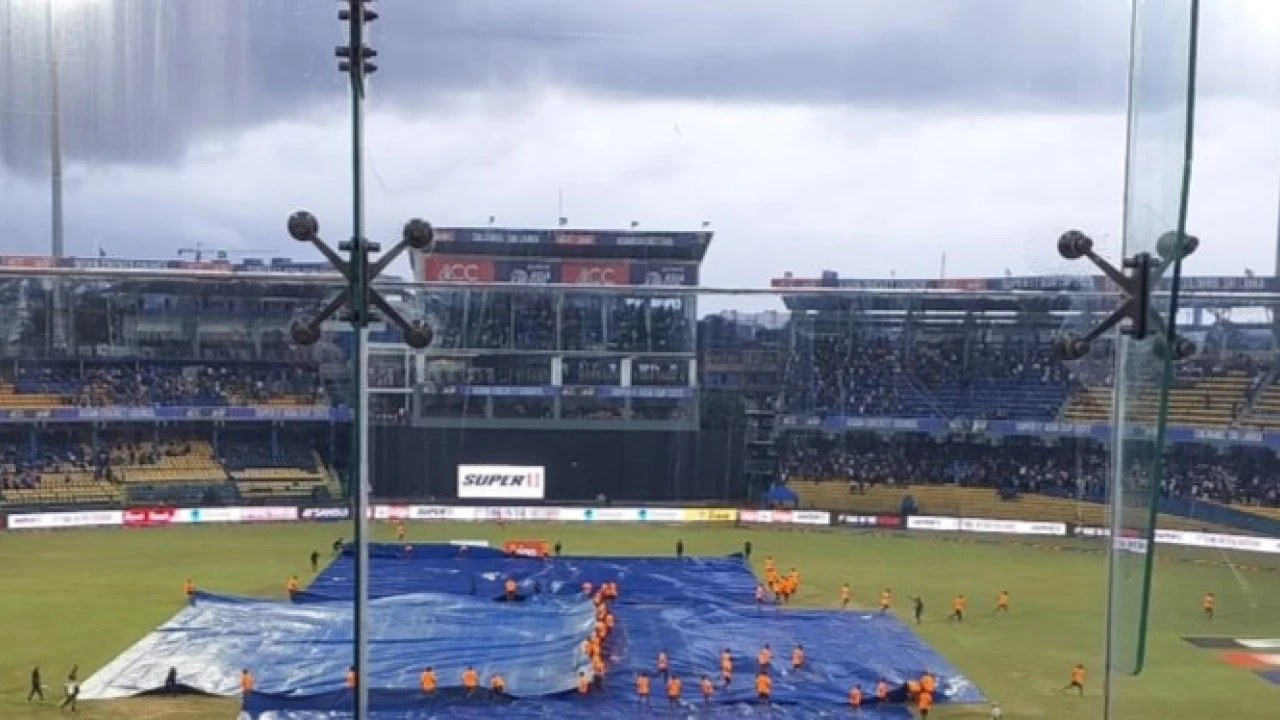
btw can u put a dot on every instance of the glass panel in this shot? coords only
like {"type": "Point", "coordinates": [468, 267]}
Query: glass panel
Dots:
{"type": "Point", "coordinates": [1160, 122]}
{"type": "Point", "coordinates": [150, 153]}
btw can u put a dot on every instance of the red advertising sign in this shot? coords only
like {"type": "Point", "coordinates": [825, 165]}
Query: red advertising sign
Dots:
{"type": "Point", "coordinates": [27, 261]}
{"type": "Point", "coordinates": [527, 548]}
{"type": "Point", "coordinates": [148, 517]}
{"type": "Point", "coordinates": [457, 268]}
{"type": "Point", "coordinates": [595, 272]}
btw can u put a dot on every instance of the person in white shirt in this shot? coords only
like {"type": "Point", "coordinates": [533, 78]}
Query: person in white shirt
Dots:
{"type": "Point", "coordinates": [996, 712]}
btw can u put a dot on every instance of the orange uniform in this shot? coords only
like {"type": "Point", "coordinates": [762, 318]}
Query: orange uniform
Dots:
{"type": "Point", "coordinates": [886, 599]}
{"type": "Point", "coordinates": [428, 681]}
{"type": "Point", "coordinates": [673, 688]}
{"type": "Point", "coordinates": [726, 665]}
{"type": "Point", "coordinates": [470, 679]}
{"type": "Point", "coordinates": [845, 595]}
{"type": "Point", "coordinates": [764, 686]}
{"type": "Point", "coordinates": [584, 686]}
{"type": "Point", "coordinates": [291, 586]}
{"type": "Point", "coordinates": [924, 702]}
{"type": "Point", "coordinates": [246, 682]}
{"type": "Point", "coordinates": [350, 679]}
{"type": "Point", "coordinates": [188, 587]}
{"type": "Point", "coordinates": [400, 531]}
{"type": "Point", "coordinates": [497, 684]}
{"type": "Point", "coordinates": [642, 686]}
{"type": "Point", "coordinates": [797, 658]}
{"type": "Point", "coordinates": [855, 696]}
{"type": "Point", "coordinates": [509, 587]}
{"type": "Point", "coordinates": [1002, 600]}
{"type": "Point", "coordinates": [928, 683]}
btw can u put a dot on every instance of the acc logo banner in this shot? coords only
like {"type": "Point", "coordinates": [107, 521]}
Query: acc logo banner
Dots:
{"type": "Point", "coordinates": [444, 268]}
{"type": "Point", "coordinates": [501, 482]}
{"type": "Point", "coordinates": [595, 273]}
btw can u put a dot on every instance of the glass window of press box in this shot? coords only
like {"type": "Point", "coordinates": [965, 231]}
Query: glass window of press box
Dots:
{"type": "Point", "coordinates": [500, 359]}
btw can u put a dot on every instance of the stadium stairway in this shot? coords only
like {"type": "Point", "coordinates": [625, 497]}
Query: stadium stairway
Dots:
{"type": "Point", "coordinates": [1265, 413]}
{"type": "Point", "coordinates": [1209, 403]}
{"type": "Point", "coordinates": [955, 501]}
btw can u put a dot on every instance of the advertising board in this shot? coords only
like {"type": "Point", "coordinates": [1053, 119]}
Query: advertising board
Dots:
{"type": "Point", "coordinates": [51, 521]}
{"type": "Point", "coordinates": [710, 515]}
{"type": "Point", "coordinates": [148, 516]}
{"type": "Point", "coordinates": [268, 514]}
{"type": "Point", "coordinates": [206, 515]}
{"type": "Point", "coordinates": [501, 482]}
{"type": "Point", "coordinates": [326, 513]}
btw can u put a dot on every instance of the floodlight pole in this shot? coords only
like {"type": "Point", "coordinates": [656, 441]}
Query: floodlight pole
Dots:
{"type": "Point", "coordinates": [364, 305]}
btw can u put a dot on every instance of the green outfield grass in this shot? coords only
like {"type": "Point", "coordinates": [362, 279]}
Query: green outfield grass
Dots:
{"type": "Point", "coordinates": [84, 596]}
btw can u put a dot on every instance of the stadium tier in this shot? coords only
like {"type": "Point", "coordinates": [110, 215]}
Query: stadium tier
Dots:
{"type": "Point", "coordinates": [554, 349]}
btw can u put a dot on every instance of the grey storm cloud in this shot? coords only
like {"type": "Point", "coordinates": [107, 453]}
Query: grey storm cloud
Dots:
{"type": "Point", "coordinates": [142, 79]}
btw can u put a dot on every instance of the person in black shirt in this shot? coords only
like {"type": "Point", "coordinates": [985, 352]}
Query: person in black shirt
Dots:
{"type": "Point", "coordinates": [315, 561]}
{"type": "Point", "coordinates": [679, 548]}
{"type": "Point", "coordinates": [37, 688]}
{"type": "Point", "coordinates": [746, 549]}
{"type": "Point", "coordinates": [337, 546]}
{"type": "Point", "coordinates": [557, 548]}
{"type": "Point", "coordinates": [171, 682]}
{"type": "Point", "coordinates": [919, 609]}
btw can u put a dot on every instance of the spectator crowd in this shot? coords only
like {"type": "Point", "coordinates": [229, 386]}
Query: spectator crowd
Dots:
{"type": "Point", "coordinates": [1074, 468]}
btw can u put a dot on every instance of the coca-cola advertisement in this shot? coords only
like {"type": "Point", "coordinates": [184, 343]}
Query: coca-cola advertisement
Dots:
{"type": "Point", "coordinates": [457, 268]}
{"type": "Point", "coordinates": [595, 272]}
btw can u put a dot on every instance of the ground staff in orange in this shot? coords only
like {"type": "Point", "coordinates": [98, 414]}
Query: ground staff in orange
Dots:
{"type": "Point", "coordinates": [673, 690]}
{"type": "Point", "coordinates": [924, 703]}
{"type": "Point", "coordinates": [642, 689]}
{"type": "Point", "coordinates": [855, 696]}
{"type": "Point", "coordinates": [428, 681]}
{"type": "Point", "coordinates": [764, 688]}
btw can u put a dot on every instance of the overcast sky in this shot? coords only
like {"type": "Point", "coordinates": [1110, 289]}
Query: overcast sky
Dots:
{"type": "Point", "coordinates": [867, 137]}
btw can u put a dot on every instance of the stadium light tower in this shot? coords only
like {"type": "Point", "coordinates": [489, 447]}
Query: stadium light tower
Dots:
{"type": "Point", "coordinates": [360, 300]}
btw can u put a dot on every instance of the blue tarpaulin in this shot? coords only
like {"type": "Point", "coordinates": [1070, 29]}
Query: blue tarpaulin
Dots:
{"type": "Point", "coordinates": [427, 614]}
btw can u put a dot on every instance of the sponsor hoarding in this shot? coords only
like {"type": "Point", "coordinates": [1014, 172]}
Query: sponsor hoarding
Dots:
{"type": "Point", "coordinates": [438, 512]}
{"type": "Point", "coordinates": [389, 512]}
{"type": "Point", "coordinates": [859, 520]}
{"type": "Point", "coordinates": [326, 513]}
{"type": "Point", "coordinates": [785, 517]}
{"type": "Point", "coordinates": [501, 482]}
{"type": "Point", "coordinates": [930, 522]}
{"type": "Point", "coordinates": [207, 515]}
{"type": "Point", "coordinates": [663, 273]}
{"type": "Point", "coordinates": [526, 272]}
{"type": "Point", "coordinates": [447, 268]}
{"type": "Point", "coordinates": [148, 516]}
{"type": "Point", "coordinates": [49, 521]}
{"type": "Point", "coordinates": [712, 515]}
{"type": "Point", "coordinates": [595, 272]}
{"type": "Point", "coordinates": [1012, 527]}
{"type": "Point", "coordinates": [268, 514]}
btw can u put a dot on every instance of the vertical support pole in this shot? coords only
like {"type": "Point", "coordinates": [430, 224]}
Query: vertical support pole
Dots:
{"type": "Point", "coordinates": [360, 322]}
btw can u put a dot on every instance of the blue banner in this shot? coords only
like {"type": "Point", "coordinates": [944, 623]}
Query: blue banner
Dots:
{"type": "Point", "coordinates": [168, 412]}
{"type": "Point", "coordinates": [550, 391]}
{"type": "Point", "coordinates": [1032, 428]}
{"type": "Point", "coordinates": [599, 238]}
{"type": "Point", "coordinates": [1036, 283]}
